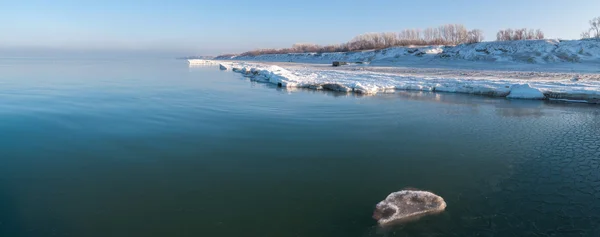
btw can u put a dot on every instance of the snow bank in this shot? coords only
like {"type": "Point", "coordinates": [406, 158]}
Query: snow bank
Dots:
{"type": "Point", "coordinates": [366, 82]}
{"type": "Point", "coordinates": [528, 51]}
{"type": "Point", "coordinates": [522, 51]}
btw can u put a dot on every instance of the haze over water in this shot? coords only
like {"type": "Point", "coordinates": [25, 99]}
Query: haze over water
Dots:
{"type": "Point", "coordinates": [121, 147]}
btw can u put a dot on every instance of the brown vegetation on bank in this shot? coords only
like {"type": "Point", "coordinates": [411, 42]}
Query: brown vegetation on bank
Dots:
{"type": "Point", "coordinates": [519, 34]}
{"type": "Point", "coordinates": [451, 34]}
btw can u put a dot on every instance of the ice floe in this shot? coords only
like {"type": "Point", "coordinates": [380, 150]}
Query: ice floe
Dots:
{"type": "Point", "coordinates": [407, 205]}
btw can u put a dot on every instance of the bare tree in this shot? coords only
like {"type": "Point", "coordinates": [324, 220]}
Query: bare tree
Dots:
{"type": "Point", "coordinates": [428, 34]}
{"type": "Point", "coordinates": [595, 27]}
{"type": "Point", "coordinates": [500, 35]}
{"type": "Point", "coordinates": [389, 38]}
{"type": "Point", "coordinates": [519, 34]}
{"type": "Point", "coordinates": [462, 34]}
{"type": "Point", "coordinates": [539, 34]}
{"type": "Point", "coordinates": [304, 47]}
{"type": "Point", "coordinates": [510, 34]}
{"type": "Point", "coordinates": [475, 36]}
{"type": "Point", "coordinates": [585, 35]}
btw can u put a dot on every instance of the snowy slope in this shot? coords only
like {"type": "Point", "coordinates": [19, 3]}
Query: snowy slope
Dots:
{"type": "Point", "coordinates": [368, 82]}
{"type": "Point", "coordinates": [528, 51]}
{"type": "Point", "coordinates": [524, 51]}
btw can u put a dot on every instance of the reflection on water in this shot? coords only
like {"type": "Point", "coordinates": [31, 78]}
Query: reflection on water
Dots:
{"type": "Point", "coordinates": [153, 148]}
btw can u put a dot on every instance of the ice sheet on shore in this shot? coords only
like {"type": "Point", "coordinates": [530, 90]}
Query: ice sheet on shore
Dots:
{"type": "Point", "coordinates": [366, 82]}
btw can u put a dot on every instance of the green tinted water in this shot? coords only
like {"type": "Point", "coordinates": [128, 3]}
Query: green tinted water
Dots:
{"type": "Point", "coordinates": [153, 148]}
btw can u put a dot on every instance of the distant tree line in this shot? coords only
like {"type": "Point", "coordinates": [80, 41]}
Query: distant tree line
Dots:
{"type": "Point", "coordinates": [450, 34]}
{"type": "Point", "coordinates": [519, 34]}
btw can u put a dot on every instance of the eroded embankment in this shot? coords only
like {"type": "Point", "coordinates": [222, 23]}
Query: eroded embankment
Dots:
{"type": "Point", "coordinates": [548, 51]}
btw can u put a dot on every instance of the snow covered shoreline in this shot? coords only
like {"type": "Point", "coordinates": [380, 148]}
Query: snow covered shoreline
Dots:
{"type": "Point", "coordinates": [528, 69]}
{"type": "Point", "coordinates": [368, 82]}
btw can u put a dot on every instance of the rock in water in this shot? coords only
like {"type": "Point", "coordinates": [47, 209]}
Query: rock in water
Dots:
{"type": "Point", "coordinates": [336, 87]}
{"type": "Point", "coordinates": [338, 63]}
{"type": "Point", "coordinates": [407, 205]}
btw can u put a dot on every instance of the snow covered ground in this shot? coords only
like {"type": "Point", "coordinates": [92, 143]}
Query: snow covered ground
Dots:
{"type": "Point", "coordinates": [532, 69]}
{"type": "Point", "coordinates": [546, 55]}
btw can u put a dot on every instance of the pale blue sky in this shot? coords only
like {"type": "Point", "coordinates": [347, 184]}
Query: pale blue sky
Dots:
{"type": "Point", "coordinates": [182, 27]}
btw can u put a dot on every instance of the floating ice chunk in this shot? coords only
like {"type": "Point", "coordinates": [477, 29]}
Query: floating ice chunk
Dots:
{"type": "Point", "coordinates": [407, 205]}
{"type": "Point", "coordinates": [365, 88]}
{"type": "Point", "coordinates": [524, 91]}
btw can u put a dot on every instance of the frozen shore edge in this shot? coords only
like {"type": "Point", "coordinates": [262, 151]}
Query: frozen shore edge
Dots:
{"type": "Point", "coordinates": [371, 83]}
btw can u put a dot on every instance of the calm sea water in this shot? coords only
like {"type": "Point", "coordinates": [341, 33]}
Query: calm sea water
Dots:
{"type": "Point", "coordinates": [153, 148]}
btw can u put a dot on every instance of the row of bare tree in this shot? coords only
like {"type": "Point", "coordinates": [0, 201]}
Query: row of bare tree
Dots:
{"type": "Point", "coordinates": [450, 34]}
{"type": "Point", "coordinates": [519, 34]}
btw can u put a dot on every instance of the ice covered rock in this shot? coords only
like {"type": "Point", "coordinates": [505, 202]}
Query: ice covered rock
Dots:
{"type": "Point", "coordinates": [223, 67]}
{"type": "Point", "coordinates": [406, 205]}
{"type": "Point", "coordinates": [336, 87]}
{"type": "Point", "coordinates": [524, 91]}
